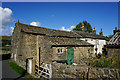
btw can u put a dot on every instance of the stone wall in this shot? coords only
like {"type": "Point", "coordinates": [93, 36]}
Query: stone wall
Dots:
{"type": "Point", "coordinates": [80, 53]}
{"type": "Point", "coordinates": [16, 42]}
{"type": "Point", "coordinates": [113, 52]}
{"type": "Point", "coordinates": [59, 56]}
{"type": "Point", "coordinates": [45, 50]}
{"type": "Point", "coordinates": [28, 48]}
{"type": "Point", "coordinates": [65, 71]}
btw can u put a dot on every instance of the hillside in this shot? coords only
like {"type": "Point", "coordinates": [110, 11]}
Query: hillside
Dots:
{"type": "Point", "coordinates": [5, 42]}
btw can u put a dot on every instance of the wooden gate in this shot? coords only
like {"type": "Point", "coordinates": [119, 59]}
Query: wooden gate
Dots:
{"type": "Point", "coordinates": [44, 70]}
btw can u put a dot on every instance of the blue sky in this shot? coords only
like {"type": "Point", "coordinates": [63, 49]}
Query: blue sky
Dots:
{"type": "Point", "coordinates": [56, 15]}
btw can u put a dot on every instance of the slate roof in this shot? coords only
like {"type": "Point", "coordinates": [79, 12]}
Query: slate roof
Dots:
{"type": "Point", "coordinates": [65, 41]}
{"type": "Point", "coordinates": [46, 31]}
{"type": "Point", "coordinates": [59, 33]}
{"type": "Point", "coordinates": [89, 35]}
{"type": "Point", "coordinates": [115, 40]}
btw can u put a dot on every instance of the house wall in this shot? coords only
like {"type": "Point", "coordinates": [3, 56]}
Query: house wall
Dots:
{"type": "Point", "coordinates": [59, 56]}
{"type": "Point", "coordinates": [45, 50]}
{"type": "Point", "coordinates": [28, 48]}
{"type": "Point", "coordinates": [114, 53]}
{"type": "Point", "coordinates": [16, 43]}
{"type": "Point", "coordinates": [79, 53]}
{"type": "Point", "coordinates": [99, 43]}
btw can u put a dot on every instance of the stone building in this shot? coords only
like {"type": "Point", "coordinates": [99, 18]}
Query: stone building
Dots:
{"type": "Point", "coordinates": [39, 44]}
{"type": "Point", "coordinates": [97, 40]}
{"type": "Point", "coordinates": [32, 45]}
{"type": "Point", "coordinates": [113, 46]}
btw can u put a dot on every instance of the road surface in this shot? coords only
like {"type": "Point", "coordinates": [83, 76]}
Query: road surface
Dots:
{"type": "Point", "coordinates": [7, 72]}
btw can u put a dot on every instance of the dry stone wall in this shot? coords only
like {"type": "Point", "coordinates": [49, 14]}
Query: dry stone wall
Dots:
{"type": "Point", "coordinates": [65, 71]}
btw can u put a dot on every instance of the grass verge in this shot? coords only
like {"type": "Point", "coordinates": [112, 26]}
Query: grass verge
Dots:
{"type": "Point", "coordinates": [19, 70]}
{"type": "Point", "coordinates": [4, 52]}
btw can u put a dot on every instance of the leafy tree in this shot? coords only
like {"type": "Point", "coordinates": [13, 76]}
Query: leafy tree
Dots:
{"type": "Point", "coordinates": [87, 27]}
{"type": "Point", "coordinates": [110, 36]}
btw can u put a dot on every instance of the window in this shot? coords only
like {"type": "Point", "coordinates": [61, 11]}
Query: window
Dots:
{"type": "Point", "coordinates": [59, 50]}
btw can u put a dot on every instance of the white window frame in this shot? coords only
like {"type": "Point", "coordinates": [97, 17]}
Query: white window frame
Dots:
{"type": "Point", "coordinates": [60, 51]}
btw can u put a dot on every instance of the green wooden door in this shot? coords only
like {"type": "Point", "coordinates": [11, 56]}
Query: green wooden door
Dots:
{"type": "Point", "coordinates": [70, 56]}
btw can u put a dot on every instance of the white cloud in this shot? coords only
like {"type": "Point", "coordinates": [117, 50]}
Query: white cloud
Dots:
{"type": "Point", "coordinates": [68, 29]}
{"type": "Point", "coordinates": [11, 29]}
{"type": "Point", "coordinates": [35, 23]}
{"type": "Point", "coordinates": [5, 19]}
{"type": "Point", "coordinates": [63, 28]}
{"type": "Point", "coordinates": [72, 27]}
{"type": "Point", "coordinates": [6, 16]}
{"type": "Point", "coordinates": [5, 31]}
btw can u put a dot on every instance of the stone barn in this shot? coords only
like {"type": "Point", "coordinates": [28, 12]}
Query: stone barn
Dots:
{"type": "Point", "coordinates": [36, 48]}
{"type": "Point", "coordinates": [35, 45]}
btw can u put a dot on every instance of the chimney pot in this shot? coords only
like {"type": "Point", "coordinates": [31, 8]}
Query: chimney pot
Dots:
{"type": "Point", "coordinates": [101, 32]}
{"type": "Point", "coordinates": [94, 31]}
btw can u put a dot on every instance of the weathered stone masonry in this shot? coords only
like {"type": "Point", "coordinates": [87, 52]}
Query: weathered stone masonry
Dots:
{"type": "Point", "coordinates": [65, 71]}
{"type": "Point", "coordinates": [40, 45]}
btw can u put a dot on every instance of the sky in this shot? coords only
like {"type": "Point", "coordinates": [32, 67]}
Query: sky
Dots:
{"type": "Point", "coordinates": [60, 15]}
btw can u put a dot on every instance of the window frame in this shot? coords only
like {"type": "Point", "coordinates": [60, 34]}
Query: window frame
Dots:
{"type": "Point", "coordinates": [59, 51]}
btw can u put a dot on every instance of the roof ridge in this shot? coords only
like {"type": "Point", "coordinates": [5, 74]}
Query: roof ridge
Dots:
{"type": "Point", "coordinates": [43, 27]}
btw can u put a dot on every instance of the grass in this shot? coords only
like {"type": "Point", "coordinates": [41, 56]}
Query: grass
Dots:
{"type": "Point", "coordinates": [4, 52]}
{"type": "Point", "coordinates": [19, 70]}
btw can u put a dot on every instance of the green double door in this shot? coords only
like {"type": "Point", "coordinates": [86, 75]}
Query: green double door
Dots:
{"type": "Point", "coordinates": [70, 56]}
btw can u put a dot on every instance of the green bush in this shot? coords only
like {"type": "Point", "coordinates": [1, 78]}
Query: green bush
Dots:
{"type": "Point", "coordinates": [103, 62]}
{"type": "Point", "coordinates": [106, 63]}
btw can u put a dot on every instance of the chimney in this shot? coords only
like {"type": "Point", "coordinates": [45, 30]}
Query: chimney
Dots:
{"type": "Point", "coordinates": [82, 28]}
{"type": "Point", "coordinates": [101, 33]}
{"type": "Point", "coordinates": [94, 31]}
{"type": "Point", "coordinates": [114, 31]}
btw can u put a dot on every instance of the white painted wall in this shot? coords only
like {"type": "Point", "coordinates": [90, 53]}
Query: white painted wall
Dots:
{"type": "Point", "coordinates": [99, 43]}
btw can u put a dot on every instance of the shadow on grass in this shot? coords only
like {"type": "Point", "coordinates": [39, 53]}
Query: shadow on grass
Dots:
{"type": "Point", "coordinates": [23, 75]}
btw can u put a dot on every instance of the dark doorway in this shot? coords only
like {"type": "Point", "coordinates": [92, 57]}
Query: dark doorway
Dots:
{"type": "Point", "coordinates": [39, 54]}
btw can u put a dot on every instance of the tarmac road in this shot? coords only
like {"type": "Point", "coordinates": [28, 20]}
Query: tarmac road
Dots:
{"type": "Point", "coordinates": [7, 72]}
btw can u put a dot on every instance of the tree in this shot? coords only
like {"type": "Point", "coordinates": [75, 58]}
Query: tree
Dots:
{"type": "Point", "coordinates": [110, 36]}
{"type": "Point", "coordinates": [87, 27]}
